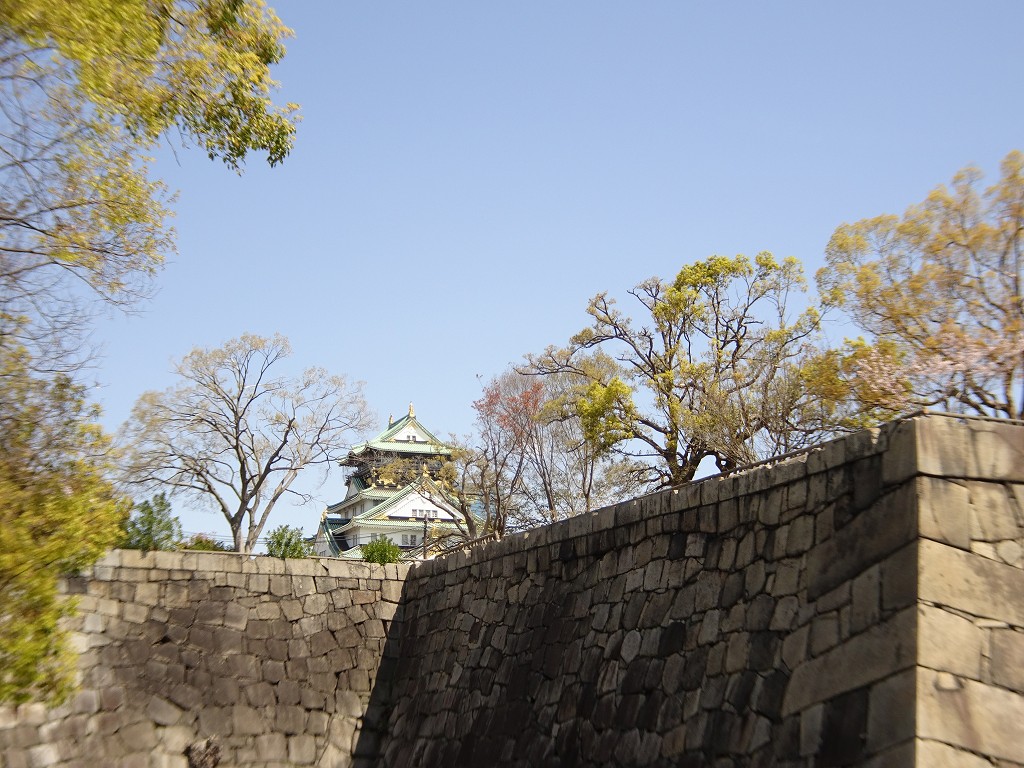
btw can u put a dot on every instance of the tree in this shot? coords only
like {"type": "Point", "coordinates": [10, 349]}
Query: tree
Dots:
{"type": "Point", "coordinates": [234, 435]}
{"type": "Point", "coordinates": [151, 526]}
{"type": "Point", "coordinates": [87, 89]}
{"type": "Point", "coordinates": [939, 294]}
{"type": "Point", "coordinates": [722, 369]}
{"type": "Point", "coordinates": [572, 470]}
{"type": "Point", "coordinates": [381, 551]}
{"type": "Point", "coordinates": [529, 461]}
{"type": "Point", "coordinates": [488, 470]}
{"type": "Point", "coordinates": [59, 513]}
{"type": "Point", "coordinates": [286, 541]}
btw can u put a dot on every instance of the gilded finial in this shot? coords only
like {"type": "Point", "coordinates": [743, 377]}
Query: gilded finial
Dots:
{"type": "Point", "coordinates": [412, 413]}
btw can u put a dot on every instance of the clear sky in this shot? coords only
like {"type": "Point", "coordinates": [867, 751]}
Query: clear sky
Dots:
{"type": "Point", "coordinates": [468, 174]}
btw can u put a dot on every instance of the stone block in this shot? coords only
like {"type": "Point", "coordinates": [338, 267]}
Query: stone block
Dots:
{"type": "Point", "coordinates": [992, 517]}
{"type": "Point", "coordinates": [824, 633]}
{"type": "Point", "coordinates": [236, 616]}
{"type": "Point", "coordinates": [1007, 658]}
{"type": "Point", "coordinates": [43, 756]}
{"type": "Point", "coordinates": [141, 735]}
{"type": "Point", "coordinates": [272, 747]}
{"type": "Point", "coordinates": [247, 721]}
{"type": "Point", "coordinates": [899, 579]}
{"type": "Point", "coordinates": [933, 754]}
{"type": "Point", "coordinates": [899, 756]}
{"type": "Point", "coordinates": [888, 525]}
{"type": "Point", "coordinates": [866, 602]}
{"type": "Point", "coordinates": [135, 614]}
{"type": "Point", "coordinates": [971, 449]}
{"type": "Point", "coordinates": [970, 583]}
{"type": "Point", "coordinates": [944, 511]}
{"type": "Point", "coordinates": [163, 712]}
{"type": "Point", "coordinates": [843, 730]}
{"type": "Point", "coordinates": [1011, 553]}
{"type": "Point", "coordinates": [864, 659]}
{"type": "Point", "coordinates": [973, 716]}
{"type": "Point", "coordinates": [147, 593]}
{"type": "Point", "coordinates": [891, 711]}
{"type": "Point", "coordinates": [949, 643]}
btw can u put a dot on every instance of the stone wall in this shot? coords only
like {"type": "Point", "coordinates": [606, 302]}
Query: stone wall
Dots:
{"type": "Point", "coordinates": [273, 659]}
{"type": "Point", "coordinates": [861, 604]}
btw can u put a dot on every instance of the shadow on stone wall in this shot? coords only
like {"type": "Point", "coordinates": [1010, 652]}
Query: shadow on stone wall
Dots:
{"type": "Point", "coordinates": [764, 619]}
{"type": "Point", "coordinates": [861, 604]}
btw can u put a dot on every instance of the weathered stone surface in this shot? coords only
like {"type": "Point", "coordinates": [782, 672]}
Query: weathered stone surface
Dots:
{"type": "Point", "coordinates": [974, 449]}
{"type": "Point", "coordinates": [980, 718]}
{"type": "Point", "coordinates": [868, 657]}
{"type": "Point", "coordinates": [934, 754]}
{"type": "Point", "coordinates": [892, 711]}
{"type": "Point", "coordinates": [783, 616]}
{"type": "Point", "coordinates": [970, 583]}
{"type": "Point", "coordinates": [950, 643]}
{"type": "Point", "coordinates": [872, 535]}
{"type": "Point", "coordinates": [944, 511]}
{"type": "Point", "coordinates": [1007, 658]}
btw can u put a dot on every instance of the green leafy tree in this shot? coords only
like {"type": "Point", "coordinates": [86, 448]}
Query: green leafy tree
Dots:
{"type": "Point", "coordinates": [286, 541]}
{"type": "Point", "coordinates": [721, 368]}
{"type": "Point", "coordinates": [151, 526]}
{"type": "Point", "coordinates": [381, 551]}
{"type": "Point", "coordinates": [87, 89]}
{"type": "Point", "coordinates": [938, 293]}
{"type": "Point", "coordinates": [58, 514]}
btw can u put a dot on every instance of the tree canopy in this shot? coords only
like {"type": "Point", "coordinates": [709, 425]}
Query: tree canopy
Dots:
{"type": "Point", "coordinates": [721, 368]}
{"type": "Point", "coordinates": [528, 461]}
{"type": "Point", "coordinates": [235, 434]}
{"type": "Point", "coordinates": [381, 551]}
{"type": "Point", "coordinates": [938, 291]}
{"type": "Point", "coordinates": [87, 88]}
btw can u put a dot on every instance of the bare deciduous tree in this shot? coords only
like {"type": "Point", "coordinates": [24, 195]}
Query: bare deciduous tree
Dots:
{"type": "Point", "coordinates": [233, 434]}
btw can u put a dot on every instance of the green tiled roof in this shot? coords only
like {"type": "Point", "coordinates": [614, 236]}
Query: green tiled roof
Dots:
{"type": "Point", "coordinates": [384, 441]}
{"type": "Point", "coordinates": [402, 446]}
{"type": "Point", "coordinates": [413, 525]}
{"type": "Point", "coordinates": [374, 493]}
{"type": "Point", "coordinates": [423, 485]}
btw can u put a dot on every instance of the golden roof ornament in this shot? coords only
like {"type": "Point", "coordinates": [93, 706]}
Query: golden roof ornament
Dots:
{"type": "Point", "coordinates": [412, 413]}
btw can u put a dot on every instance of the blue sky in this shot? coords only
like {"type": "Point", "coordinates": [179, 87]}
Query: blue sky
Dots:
{"type": "Point", "coordinates": [467, 175]}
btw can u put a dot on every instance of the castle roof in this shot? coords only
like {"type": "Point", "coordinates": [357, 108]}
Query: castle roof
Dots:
{"type": "Point", "coordinates": [407, 435]}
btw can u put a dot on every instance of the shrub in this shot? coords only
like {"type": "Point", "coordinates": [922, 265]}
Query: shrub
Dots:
{"type": "Point", "coordinates": [382, 552]}
{"type": "Point", "coordinates": [205, 543]}
{"type": "Point", "coordinates": [285, 541]}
